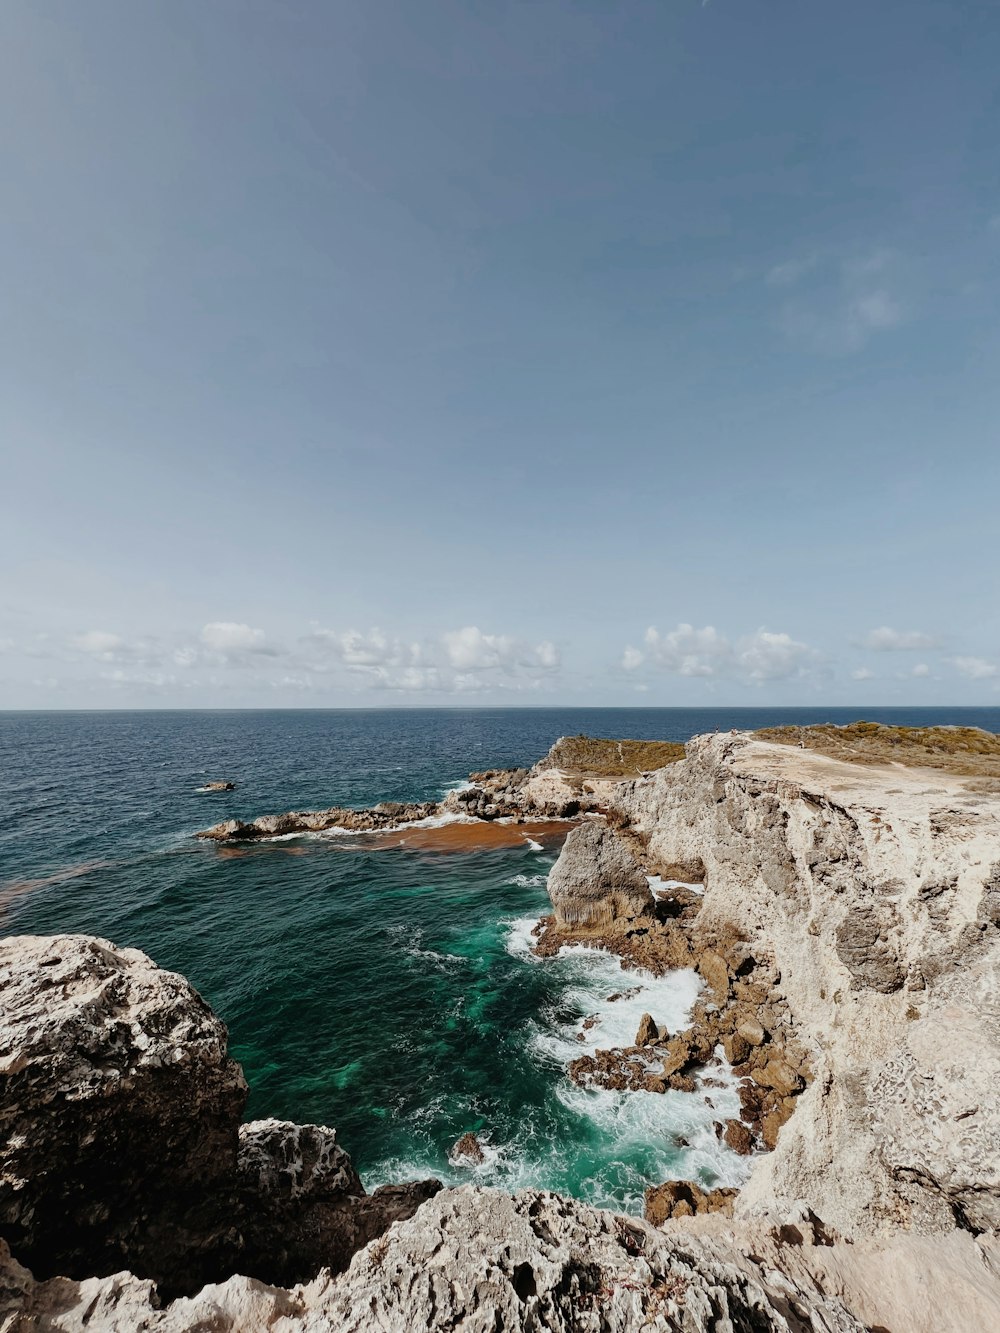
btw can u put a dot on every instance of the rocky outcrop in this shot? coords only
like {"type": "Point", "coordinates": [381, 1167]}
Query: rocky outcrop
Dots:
{"type": "Point", "coordinates": [119, 1113]}
{"type": "Point", "coordinates": [867, 893]}
{"type": "Point", "coordinates": [388, 814]}
{"type": "Point", "coordinates": [120, 1136]}
{"type": "Point", "coordinates": [218, 786]}
{"type": "Point", "coordinates": [597, 880]}
{"type": "Point", "coordinates": [467, 1151]}
{"type": "Point", "coordinates": [686, 1198]}
{"type": "Point", "coordinates": [480, 1261]}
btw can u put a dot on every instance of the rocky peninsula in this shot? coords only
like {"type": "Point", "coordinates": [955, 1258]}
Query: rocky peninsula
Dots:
{"type": "Point", "coordinates": [837, 890]}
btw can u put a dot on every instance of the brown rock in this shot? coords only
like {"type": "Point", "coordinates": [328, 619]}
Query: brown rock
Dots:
{"type": "Point", "coordinates": [648, 1032]}
{"type": "Point", "coordinates": [713, 968]}
{"type": "Point", "coordinates": [736, 1048]}
{"type": "Point", "coordinates": [685, 1198]}
{"type": "Point", "coordinates": [778, 1075]}
{"type": "Point", "coordinates": [752, 1032]}
{"type": "Point", "coordinates": [467, 1151]}
{"type": "Point", "coordinates": [738, 1137]}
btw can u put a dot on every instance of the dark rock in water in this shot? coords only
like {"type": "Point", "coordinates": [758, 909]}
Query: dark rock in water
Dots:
{"type": "Point", "coordinates": [597, 880]}
{"type": "Point", "coordinates": [386, 815]}
{"type": "Point", "coordinates": [219, 786]}
{"type": "Point", "coordinates": [468, 1151]}
{"type": "Point", "coordinates": [120, 1136]}
{"type": "Point", "coordinates": [648, 1031]}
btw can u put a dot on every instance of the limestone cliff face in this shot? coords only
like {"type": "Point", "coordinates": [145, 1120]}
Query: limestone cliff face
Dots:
{"type": "Point", "coordinates": [876, 892]}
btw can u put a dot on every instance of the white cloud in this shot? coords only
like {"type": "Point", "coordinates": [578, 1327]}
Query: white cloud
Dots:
{"type": "Point", "coordinates": [687, 651]}
{"type": "Point", "coordinates": [469, 649]}
{"type": "Point", "coordinates": [976, 668]}
{"type": "Point", "coordinates": [233, 640]}
{"type": "Point", "coordinates": [886, 640]}
{"type": "Point", "coordinates": [863, 673]}
{"type": "Point", "coordinates": [766, 656]}
{"type": "Point", "coordinates": [98, 643]}
{"type": "Point", "coordinates": [921, 669]}
{"type": "Point", "coordinates": [460, 660]}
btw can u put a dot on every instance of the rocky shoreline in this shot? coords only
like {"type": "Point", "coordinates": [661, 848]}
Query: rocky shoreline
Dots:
{"type": "Point", "coordinates": [848, 939]}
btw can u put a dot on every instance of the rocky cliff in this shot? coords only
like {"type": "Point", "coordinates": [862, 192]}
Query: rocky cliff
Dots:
{"type": "Point", "coordinates": [120, 1137]}
{"type": "Point", "coordinates": [848, 938]}
{"type": "Point", "coordinates": [874, 891]}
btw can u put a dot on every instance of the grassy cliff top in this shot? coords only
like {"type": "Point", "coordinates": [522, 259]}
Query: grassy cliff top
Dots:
{"type": "Point", "coordinates": [589, 756]}
{"type": "Point", "coordinates": [955, 749]}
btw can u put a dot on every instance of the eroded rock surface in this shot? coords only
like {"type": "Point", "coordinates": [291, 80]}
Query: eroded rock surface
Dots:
{"type": "Point", "coordinates": [597, 880]}
{"type": "Point", "coordinates": [120, 1137]}
{"type": "Point", "coordinates": [868, 891]}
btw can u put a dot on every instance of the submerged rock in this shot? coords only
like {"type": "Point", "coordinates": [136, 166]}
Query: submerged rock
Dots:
{"type": "Point", "coordinates": [467, 1151]}
{"type": "Point", "coordinates": [597, 880]}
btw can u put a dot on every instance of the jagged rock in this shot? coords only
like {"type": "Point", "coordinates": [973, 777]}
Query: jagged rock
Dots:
{"type": "Point", "coordinates": [388, 814]}
{"type": "Point", "coordinates": [751, 1032]}
{"type": "Point", "coordinates": [597, 880]}
{"type": "Point", "coordinates": [685, 1198]}
{"type": "Point", "coordinates": [738, 1137]}
{"type": "Point", "coordinates": [119, 1108]}
{"type": "Point", "coordinates": [467, 1151]}
{"type": "Point", "coordinates": [120, 1141]}
{"type": "Point", "coordinates": [736, 1047]}
{"type": "Point", "coordinates": [780, 1076]}
{"type": "Point", "coordinates": [713, 968]}
{"type": "Point", "coordinates": [648, 1032]}
{"type": "Point", "coordinates": [219, 786]}
{"type": "Point", "coordinates": [481, 1261]}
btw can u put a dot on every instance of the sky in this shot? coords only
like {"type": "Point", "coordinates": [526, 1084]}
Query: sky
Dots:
{"type": "Point", "coordinates": [477, 352]}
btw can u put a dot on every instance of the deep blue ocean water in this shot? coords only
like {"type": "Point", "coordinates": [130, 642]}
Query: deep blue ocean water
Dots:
{"type": "Point", "coordinates": [388, 993]}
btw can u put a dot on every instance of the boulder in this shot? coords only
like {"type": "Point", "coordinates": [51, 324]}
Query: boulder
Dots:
{"type": "Point", "coordinates": [685, 1198]}
{"type": "Point", "coordinates": [597, 880]}
{"type": "Point", "coordinates": [738, 1137]}
{"type": "Point", "coordinates": [714, 969]}
{"type": "Point", "coordinates": [219, 786]}
{"type": "Point", "coordinates": [648, 1032]}
{"type": "Point", "coordinates": [752, 1032]}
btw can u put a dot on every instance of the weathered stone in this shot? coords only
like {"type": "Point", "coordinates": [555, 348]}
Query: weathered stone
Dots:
{"type": "Point", "coordinates": [738, 1137]}
{"type": "Point", "coordinates": [736, 1047]}
{"type": "Point", "coordinates": [712, 967]}
{"type": "Point", "coordinates": [780, 1076]}
{"type": "Point", "coordinates": [752, 1032]}
{"type": "Point", "coordinates": [648, 1032]}
{"type": "Point", "coordinates": [467, 1151]}
{"type": "Point", "coordinates": [684, 1198]}
{"type": "Point", "coordinates": [596, 879]}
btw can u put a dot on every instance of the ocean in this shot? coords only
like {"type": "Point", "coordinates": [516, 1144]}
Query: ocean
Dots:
{"type": "Point", "coordinates": [389, 993]}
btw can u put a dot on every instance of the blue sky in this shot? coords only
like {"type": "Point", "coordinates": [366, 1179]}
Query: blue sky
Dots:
{"type": "Point", "coordinates": [380, 352]}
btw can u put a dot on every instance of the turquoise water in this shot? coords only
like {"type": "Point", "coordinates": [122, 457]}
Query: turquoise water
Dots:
{"type": "Point", "coordinates": [389, 993]}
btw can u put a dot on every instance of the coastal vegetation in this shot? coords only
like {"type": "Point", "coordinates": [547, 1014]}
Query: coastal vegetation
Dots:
{"type": "Point", "coordinates": [965, 750]}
